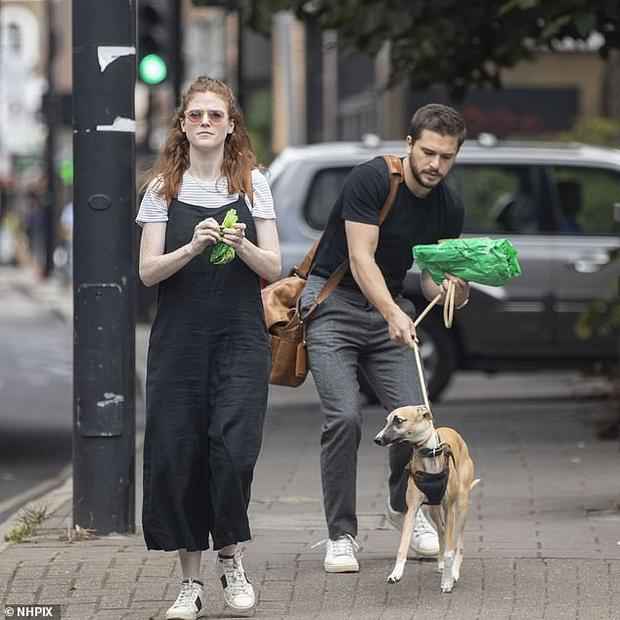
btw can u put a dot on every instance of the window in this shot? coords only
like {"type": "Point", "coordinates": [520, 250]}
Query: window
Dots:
{"type": "Point", "coordinates": [585, 199]}
{"type": "Point", "coordinates": [324, 190]}
{"type": "Point", "coordinates": [499, 198]}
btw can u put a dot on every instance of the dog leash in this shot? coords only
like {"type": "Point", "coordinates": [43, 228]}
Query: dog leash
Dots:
{"type": "Point", "coordinates": [448, 316]}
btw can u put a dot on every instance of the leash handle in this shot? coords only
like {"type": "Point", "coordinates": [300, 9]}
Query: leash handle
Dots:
{"type": "Point", "coordinates": [448, 308]}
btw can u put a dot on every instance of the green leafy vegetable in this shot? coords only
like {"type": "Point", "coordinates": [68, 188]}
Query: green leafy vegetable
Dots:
{"type": "Point", "coordinates": [222, 253]}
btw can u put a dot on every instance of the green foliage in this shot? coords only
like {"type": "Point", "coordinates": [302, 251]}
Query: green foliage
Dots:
{"type": "Point", "coordinates": [451, 42]}
{"type": "Point", "coordinates": [27, 522]}
{"type": "Point", "coordinates": [258, 119]}
{"type": "Point", "coordinates": [594, 130]}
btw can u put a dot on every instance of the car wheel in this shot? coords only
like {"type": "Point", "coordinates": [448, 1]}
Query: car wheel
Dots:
{"type": "Point", "coordinates": [438, 353]}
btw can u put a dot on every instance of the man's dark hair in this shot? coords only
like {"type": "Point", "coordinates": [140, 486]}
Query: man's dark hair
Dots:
{"type": "Point", "coordinates": [441, 119]}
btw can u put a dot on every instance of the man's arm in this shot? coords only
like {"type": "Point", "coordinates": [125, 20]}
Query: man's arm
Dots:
{"type": "Point", "coordinates": [362, 242]}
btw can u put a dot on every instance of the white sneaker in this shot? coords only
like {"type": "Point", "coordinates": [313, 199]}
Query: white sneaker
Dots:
{"type": "Point", "coordinates": [340, 555]}
{"type": "Point", "coordinates": [424, 539]}
{"type": "Point", "coordinates": [190, 603]}
{"type": "Point", "coordinates": [238, 591]}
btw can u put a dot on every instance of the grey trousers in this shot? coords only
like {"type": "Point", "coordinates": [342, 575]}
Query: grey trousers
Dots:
{"type": "Point", "coordinates": [346, 334]}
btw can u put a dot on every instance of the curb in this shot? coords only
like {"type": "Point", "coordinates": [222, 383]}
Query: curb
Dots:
{"type": "Point", "coordinates": [57, 492]}
{"type": "Point", "coordinates": [53, 493]}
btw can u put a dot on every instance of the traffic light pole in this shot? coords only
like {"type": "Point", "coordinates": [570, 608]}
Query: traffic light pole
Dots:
{"type": "Point", "coordinates": [51, 120]}
{"type": "Point", "coordinates": [177, 64]}
{"type": "Point", "coordinates": [104, 73]}
{"type": "Point", "coordinates": [240, 65]}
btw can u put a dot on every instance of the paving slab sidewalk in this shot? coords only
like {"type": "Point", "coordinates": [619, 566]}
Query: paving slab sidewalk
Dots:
{"type": "Point", "coordinates": [542, 540]}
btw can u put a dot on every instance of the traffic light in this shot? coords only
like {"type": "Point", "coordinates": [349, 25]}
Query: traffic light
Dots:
{"type": "Point", "coordinates": [154, 41]}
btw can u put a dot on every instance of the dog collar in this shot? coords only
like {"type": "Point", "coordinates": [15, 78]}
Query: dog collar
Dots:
{"type": "Point", "coordinates": [432, 452]}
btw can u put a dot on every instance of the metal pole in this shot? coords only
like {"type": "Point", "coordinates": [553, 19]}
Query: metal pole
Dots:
{"type": "Point", "coordinates": [314, 79]}
{"type": "Point", "coordinates": [177, 63]}
{"type": "Point", "coordinates": [51, 114]}
{"type": "Point", "coordinates": [240, 68]}
{"type": "Point", "coordinates": [104, 74]}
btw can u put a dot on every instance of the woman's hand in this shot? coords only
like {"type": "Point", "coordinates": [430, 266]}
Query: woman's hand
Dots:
{"type": "Point", "coordinates": [234, 236]}
{"type": "Point", "coordinates": [206, 232]}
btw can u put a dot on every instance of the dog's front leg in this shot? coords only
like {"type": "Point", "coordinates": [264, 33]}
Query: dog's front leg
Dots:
{"type": "Point", "coordinates": [449, 550]}
{"type": "Point", "coordinates": [438, 520]}
{"type": "Point", "coordinates": [414, 500]}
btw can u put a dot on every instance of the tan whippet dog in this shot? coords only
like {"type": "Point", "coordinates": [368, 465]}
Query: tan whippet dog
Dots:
{"type": "Point", "coordinates": [441, 465]}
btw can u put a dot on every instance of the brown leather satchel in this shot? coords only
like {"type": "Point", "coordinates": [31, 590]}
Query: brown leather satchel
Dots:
{"type": "Point", "coordinates": [289, 359]}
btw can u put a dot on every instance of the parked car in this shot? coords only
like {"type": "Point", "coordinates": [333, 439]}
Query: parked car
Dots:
{"type": "Point", "coordinates": [555, 202]}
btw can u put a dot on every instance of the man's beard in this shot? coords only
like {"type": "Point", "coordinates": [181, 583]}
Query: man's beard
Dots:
{"type": "Point", "coordinates": [418, 177]}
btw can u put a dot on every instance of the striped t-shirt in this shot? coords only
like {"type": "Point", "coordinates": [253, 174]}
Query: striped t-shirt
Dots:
{"type": "Point", "coordinates": [208, 194]}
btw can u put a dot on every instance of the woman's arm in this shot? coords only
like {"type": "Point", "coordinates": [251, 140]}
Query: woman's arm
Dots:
{"type": "Point", "coordinates": [264, 257]}
{"type": "Point", "coordinates": [156, 266]}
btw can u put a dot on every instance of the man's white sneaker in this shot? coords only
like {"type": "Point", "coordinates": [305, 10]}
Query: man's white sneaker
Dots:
{"type": "Point", "coordinates": [238, 591]}
{"type": "Point", "coordinates": [424, 540]}
{"type": "Point", "coordinates": [340, 555]}
{"type": "Point", "coordinates": [190, 603]}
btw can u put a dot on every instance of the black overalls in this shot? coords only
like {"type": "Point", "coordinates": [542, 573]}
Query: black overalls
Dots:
{"type": "Point", "coordinates": [206, 394]}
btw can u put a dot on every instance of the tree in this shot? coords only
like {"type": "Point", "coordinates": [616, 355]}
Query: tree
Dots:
{"type": "Point", "coordinates": [451, 42]}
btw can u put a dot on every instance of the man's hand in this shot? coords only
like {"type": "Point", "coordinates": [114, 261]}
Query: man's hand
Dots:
{"type": "Point", "coordinates": [401, 328]}
{"type": "Point", "coordinates": [461, 293]}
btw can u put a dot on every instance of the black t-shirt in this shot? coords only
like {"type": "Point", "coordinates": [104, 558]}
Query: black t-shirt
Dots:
{"type": "Point", "coordinates": [411, 221]}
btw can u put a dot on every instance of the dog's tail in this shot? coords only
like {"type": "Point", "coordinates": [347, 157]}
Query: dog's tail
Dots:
{"type": "Point", "coordinates": [474, 483]}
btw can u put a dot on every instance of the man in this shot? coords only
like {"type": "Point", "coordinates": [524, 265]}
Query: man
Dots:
{"type": "Point", "coordinates": [365, 324]}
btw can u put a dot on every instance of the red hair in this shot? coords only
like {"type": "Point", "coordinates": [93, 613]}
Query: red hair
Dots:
{"type": "Point", "coordinates": [239, 157]}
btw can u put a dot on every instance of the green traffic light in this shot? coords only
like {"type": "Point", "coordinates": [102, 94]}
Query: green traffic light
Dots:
{"type": "Point", "coordinates": [152, 69]}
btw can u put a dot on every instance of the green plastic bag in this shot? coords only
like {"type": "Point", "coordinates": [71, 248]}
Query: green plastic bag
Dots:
{"type": "Point", "coordinates": [222, 253]}
{"type": "Point", "coordinates": [482, 260]}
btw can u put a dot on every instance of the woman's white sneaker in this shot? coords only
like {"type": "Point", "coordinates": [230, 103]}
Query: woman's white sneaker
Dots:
{"type": "Point", "coordinates": [190, 603]}
{"type": "Point", "coordinates": [340, 555]}
{"type": "Point", "coordinates": [238, 591]}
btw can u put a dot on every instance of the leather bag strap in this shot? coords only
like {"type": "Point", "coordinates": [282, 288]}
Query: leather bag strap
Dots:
{"type": "Point", "coordinates": [395, 170]}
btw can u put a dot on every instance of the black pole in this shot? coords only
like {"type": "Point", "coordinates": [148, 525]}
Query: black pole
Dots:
{"type": "Point", "coordinates": [314, 80]}
{"type": "Point", "coordinates": [51, 114]}
{"type": "Point", "coordinates": [104, 74]}
{"type": "Point", "coordinates": [178, 68]}
{"type": "Point", "coordinates": [240, 67]}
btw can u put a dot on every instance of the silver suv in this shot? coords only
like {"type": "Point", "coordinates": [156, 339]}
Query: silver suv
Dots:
{"type": "Point", "coordinates": [555, 202]}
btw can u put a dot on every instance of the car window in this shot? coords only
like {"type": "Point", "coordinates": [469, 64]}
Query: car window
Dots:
{"type": "Point", "coordinates": [585, 198]}
{"type": "Point", "coordinates": [499, 198]}
{"type": "Point", "coordinates": [322, 194]}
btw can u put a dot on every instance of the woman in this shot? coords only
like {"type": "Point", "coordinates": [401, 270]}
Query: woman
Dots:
{"type": "Point", "coordinates": [209, 358]}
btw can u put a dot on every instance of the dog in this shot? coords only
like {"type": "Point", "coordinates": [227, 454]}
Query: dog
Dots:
{"type": "Point", "coordinates": [441, 472]}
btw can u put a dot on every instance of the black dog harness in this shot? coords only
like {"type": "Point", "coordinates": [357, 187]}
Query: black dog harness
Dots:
{"type": "Point", "coordinates": [434, 485]}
